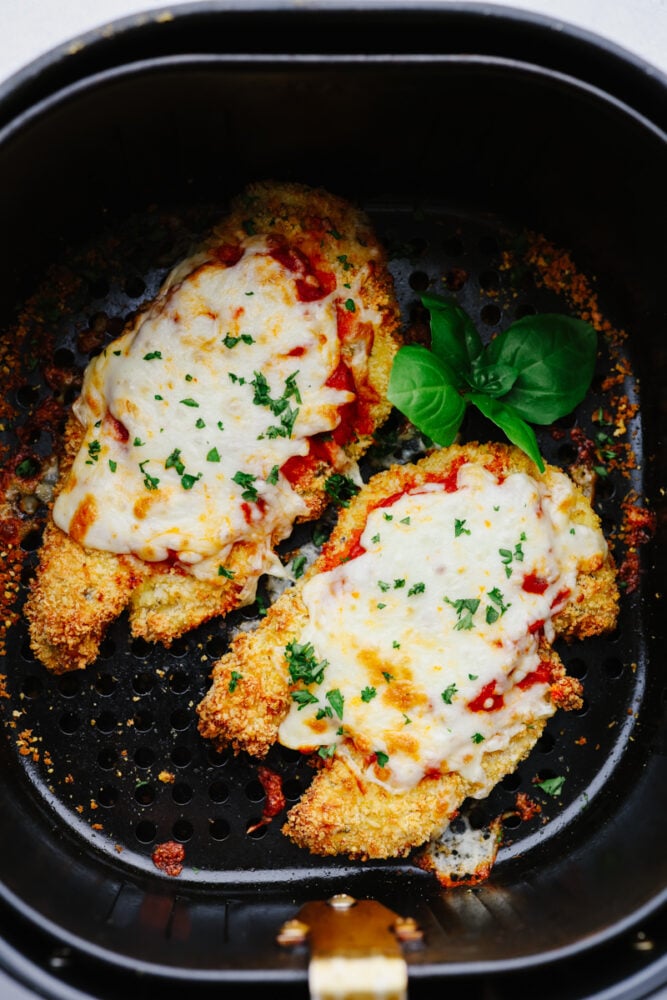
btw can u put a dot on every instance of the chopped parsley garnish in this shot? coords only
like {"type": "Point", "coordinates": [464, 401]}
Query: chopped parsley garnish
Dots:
{"type": "Point", "coordinates": [158, 397]}
{"type": "Point", "coordinates": [230, 341]}
{"type": "Point", "coordinates": [220, 425]}
{"type": "Point", "coordinates": [246, 479]}
{"type": "Point", "coordinates": [150, 482]}
{"type": "Point", "coordinates": [498, 608]}
{"type": "Point", "coordinates": [189, 378]}
{"type": "Point", "coordinates": [272, 477]}
{"type": "Point", "coordinates": [398, 584]}
{"type": "Point", "coordinates": [477, 738]}
{"type": "Point", "coordinates": [93, 451]}
{"type": "Point", "coordinates": [189, 402]}
{"type": "Point", "coordinates": [213, 455]}
{"type": "Point", "coordinates": [303, 698]}
{"type": "Point", "coordinates": [328, 751]}
{"type": "Point", "coordinates": [404, 520]}
{"type": "Point", "coordinates": [227, 573]}
{"type": "Point", "coordinates": [138, 443]}
{"type": "Point", "coordinates": [350, 306]}
{"type": "Point", "coordinates": [200, 423]}
{"type": "Point", "coordinates": [383, 585]}
{"type": "Point", "coordinates": [249, 227]}
{"type": "Point", "coordinates": [375, 539]}
{"type": "Point", "coordinates": [395, 645]}
{"type": "Point", "coordinates": [465, 608]}
{"type": "Point", "coordinates": [382, 758]}
{"type": "Point", "coordinates": [368, 694]}
{"type": "Point", "coordinates": [152, 355]}
{"type": "Point", "coordinates": [188, 481]}
{"type": "Point", "coordinates": [380, 605]}
{"type": "Point", "coordinates": [449, 693]}
{"type": "Point", "coordinates": [459, 528]}
{"type": "Point", "coordinates": [233, 681]}
{"type": "Point", "coordinates": [303, 664]}
{"type": "Point", "coordinates": [416, 588]}
{"type": "Point", "coordinates": [298, 566]}
{"type": "Point", "coordinates": [473, 677]}
{"type": "Point", "coordinates": [552, 786]}
{"type": "Point", "coordinates": [320, 534]}
{"type": "Point", "coordinates": [113, 465]}
{"type": "Point", "coordinates": [387, 517]}
{"type": "Point", "coordinates": [342, 259]}
{"type": "Point", "coordinates": [387, 676]}
{"type": "Point", "coordinates": [336, 700]}
{"type": "Point", "coordinates": [341, 488]}
{"type": "Point", "coordinates": [173, 461]}
{"type": "Point", "coordinates": [507, 555]}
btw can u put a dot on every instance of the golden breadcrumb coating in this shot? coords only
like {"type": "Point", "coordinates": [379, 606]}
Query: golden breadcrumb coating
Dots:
{"type": "Point", "coordinates": [250, 693]}
{"type": "Point", "coordinates": [78, 591]}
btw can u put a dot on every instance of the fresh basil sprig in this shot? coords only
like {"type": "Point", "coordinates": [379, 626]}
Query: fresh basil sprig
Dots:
{"type": "Point", "coordinates": [535, 372]}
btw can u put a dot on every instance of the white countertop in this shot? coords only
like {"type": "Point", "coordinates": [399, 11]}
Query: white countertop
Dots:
{"type": "Point", "coordinates": [31, 28]}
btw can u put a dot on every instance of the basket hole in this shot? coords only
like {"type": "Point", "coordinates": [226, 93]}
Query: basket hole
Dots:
{"type": "Point", "coordinates": [143, 721]}
{"type": "Point", "coordinates": [256, 829]}
{"type": "Point", "coordinates": [546, 743]}
{"type": "Point", "coordinates": [292, 789]}
{"type": "Point", "coordinates": [254, 791]}
{"type": "Point", "coordinates": [106, 759]}
{"type": "Point", "coordinates": [490, 315]}
{"type": "Point", "coordinates": [107, 797]}
{"type": "Point", "coordinates": [140, 648]}
{"type": "Point", "coordinates": [613, 667]}
{"type": "Point", "coordinates": [488, 245]}
{"type": "Point", "coordinates": [32, 687]}
{"type": "Point", "coordinates": [145, 831]}
{"type": "Point", "coordinates": [69, 685]}
{"type": "Point", "coordinates": [105, 684]}
{"type": "Point", "coordinates": [604, 488]}
{"type": "Point", "coordinates": [217, 758]}
{"type": "Point", "coordinates": [577, 667]}
{"type": "Point", "coordinates": [69, 723]}
{"type": "Point", "coordinates": [179, 682]}
{"type": "Point", "coordinates": [181, 793]}
{"type": "Point", "coordinates": [32, 540]}
{"type": "Point", "coordinates": [107, 648]}
{"type": "Point", "coordinates": [179, 647]}
{"type": "Point", "coordinates": [290, 756]}
{"type": "Point", "coordinates": [512, 821]}
{"type": "Point", "coordinates": [98, 287]}
{"type": "Point", "coordinates": [218, 829]}
{"type": "Point", "coordinates": [181, 756]}
{"type": "Point", "coordinates": [106, 722]}
{"type": "Point", "coordinates": [511, 781]}
{"type": "Point", "coordinates": [180, 720]}
{"type": "Point", "coordinates": [143, 683]}
{"type": "Point", "coordinates": [567, 454]}
{"type": "Point", "coordinates": [216, 646]}
{"type": "Point", "coordinates": [144, 793]}
{"type": "Point", "coordinates": [182, 830]}
{"type": "Point", "coordinates": [27, 653]}
{"type": "Point", "coordinates": [64, 358]}
{"type": "Point", "coordinates": [218, 792]}
{"type": "Point", "coordinates": [489, 280]}
{"type": "Point", "coordinates": [453, 246]}
{"type": "Point", "coordinates": [478, 818]}
{"type": "Point", "coordinates": [26, 395]}
{"type": "Point", "coordinates": [419, 281]}
{"type": "Point", "coordinates": [455, 278]}
{"type": "Point", "coordinates": [144, 757]}
{"type": "Point", "coordinates": [134, 286]}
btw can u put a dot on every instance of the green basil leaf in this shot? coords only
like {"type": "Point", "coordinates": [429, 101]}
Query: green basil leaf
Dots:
{"type": "Point", "coordinates": [509, 421]}
{"type": "Point", "coordinates": [420, 386]}
{"type": "Point", "coordinates": [493, 380]}
{"type": "Point", "coordinates": [555, 358]}
{"type": "Point", "coordinates": [454, 338]}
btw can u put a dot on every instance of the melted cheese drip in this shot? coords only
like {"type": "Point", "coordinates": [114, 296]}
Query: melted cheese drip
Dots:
{"type": "Point", "coordinates": [388, 622]}
{"type": "Point", "coordinates": [180, 383]}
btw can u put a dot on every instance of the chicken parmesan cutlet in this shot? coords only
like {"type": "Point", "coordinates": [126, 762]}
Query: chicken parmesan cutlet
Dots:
{"type": "Point", "coordinates": [212, 425]}
{"type": "Point", "coordinates": [414, 659]}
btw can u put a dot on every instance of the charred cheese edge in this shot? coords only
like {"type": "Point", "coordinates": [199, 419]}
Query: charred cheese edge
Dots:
{"type": "Point", "coordinates": [211, 424]}
{"type": "Point", "coordinates": [418, 646]}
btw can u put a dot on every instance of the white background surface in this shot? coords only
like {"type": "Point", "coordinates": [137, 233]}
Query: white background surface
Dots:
{"type": "Point", "coordinates": [30, 28]}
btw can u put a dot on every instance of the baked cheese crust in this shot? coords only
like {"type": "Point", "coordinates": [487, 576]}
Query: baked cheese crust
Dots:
{"type": "Point", "coordinates": [211, 425]}
{"type": "Point", "coordinates": [414, 659]}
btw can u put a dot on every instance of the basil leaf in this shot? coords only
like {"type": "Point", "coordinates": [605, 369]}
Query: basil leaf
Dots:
{"type": "Point", "coordinates": [454, 338]}
{"type": "Point", "coordinates": [493, 380]}
{"type": "Point", "coordinates": [420, 386]}
{"type": "Point", "coordinates": [509, 421]}
{"type": "Point", "coordinates": [555, 358]}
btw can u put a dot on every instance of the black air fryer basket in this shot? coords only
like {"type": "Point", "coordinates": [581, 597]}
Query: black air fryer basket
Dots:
{"type": "Point", "coordinates": [464, 130]}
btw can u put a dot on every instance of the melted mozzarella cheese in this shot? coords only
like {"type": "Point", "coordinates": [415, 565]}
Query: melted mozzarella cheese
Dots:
{"type": "Point", "coordinates": [434, 611]}
{"type": "Point", "coordinates": [191, 414]}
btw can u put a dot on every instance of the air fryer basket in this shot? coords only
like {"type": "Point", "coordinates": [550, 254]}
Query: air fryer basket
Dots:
{"type": "Point", "coordinates": [461, 129]}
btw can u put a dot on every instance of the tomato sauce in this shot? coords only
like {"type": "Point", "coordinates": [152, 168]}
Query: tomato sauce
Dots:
{"type": "Point", "coordinates": [490, 695]}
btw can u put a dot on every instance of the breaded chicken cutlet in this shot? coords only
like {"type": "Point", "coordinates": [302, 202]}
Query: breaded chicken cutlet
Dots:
{"type": "Point", "coordinates": [414, 659]}
{"type": "Point", "coordinates": [214, 422]}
